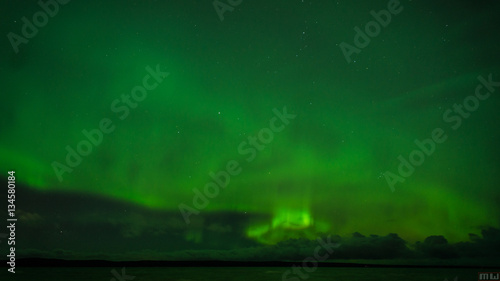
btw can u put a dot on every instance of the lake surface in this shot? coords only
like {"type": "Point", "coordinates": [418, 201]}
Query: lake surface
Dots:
{"type": "Point", "coordinates": [241, 274]}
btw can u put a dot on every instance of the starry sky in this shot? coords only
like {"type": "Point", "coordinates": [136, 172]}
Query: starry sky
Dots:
{"type": "Point", "coordinates": [219, 84]}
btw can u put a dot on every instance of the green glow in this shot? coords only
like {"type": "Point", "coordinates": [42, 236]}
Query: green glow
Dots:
{"type": "Point", "coordinates": [286, 224]}
{"type": "Point", "coordinates": [292, 219]}
{"type": "Point", "coordinates": [320, 174]}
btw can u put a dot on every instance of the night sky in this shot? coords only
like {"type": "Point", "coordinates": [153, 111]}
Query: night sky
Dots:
{"type": "Point", "coordinates": [302, 140]}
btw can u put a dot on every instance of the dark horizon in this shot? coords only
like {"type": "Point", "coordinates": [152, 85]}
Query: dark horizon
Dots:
{"type": "Point", "coordinates": [42, 262]}
{"type": "Point", "coordinates": [354, 246]}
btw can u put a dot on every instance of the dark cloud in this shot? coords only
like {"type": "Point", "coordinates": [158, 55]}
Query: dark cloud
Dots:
{"type": "Point", "coordinates": [113, 230]}
{"type": "Point", "coordinates": [390, 249]}
{"type": "Point", "coordinates": [29, 218]}
{"type": "Point", "coordinates": [219, 228]}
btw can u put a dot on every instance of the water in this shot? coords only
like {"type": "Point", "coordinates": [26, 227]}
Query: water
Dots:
{"type": "Point", "coordinates": [245, 274]}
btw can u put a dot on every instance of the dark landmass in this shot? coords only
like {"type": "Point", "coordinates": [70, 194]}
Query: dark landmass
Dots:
{"type": "Point", "coordinates": [40, 262]}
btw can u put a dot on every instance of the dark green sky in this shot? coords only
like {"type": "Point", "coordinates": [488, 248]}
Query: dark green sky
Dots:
{"type": "Point", "coordinates": [323, 173]}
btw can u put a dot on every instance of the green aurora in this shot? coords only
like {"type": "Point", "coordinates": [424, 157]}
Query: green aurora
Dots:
{"type": "Point", "coordinates": [323, 173]}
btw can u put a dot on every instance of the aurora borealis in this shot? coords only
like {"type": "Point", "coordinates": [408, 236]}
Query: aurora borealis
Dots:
{"type": "Point", "coordinates": [320, 172]}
